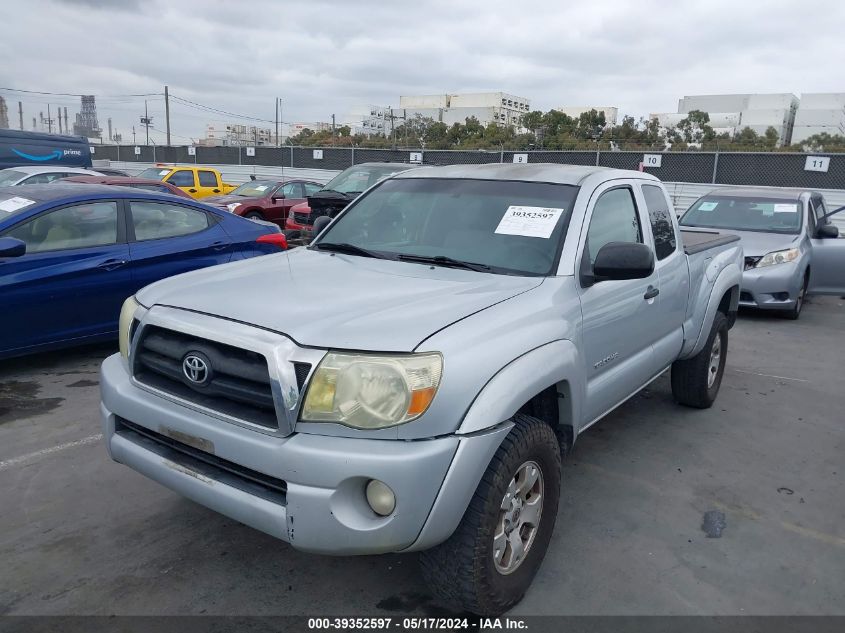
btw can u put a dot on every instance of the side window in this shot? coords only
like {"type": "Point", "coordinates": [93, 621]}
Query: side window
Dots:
{"type": "Point", "coordinates": [661, 222]}
{"type": "Point", "coordinates": [42, 179]}
{"type": "Point", "coordinates": [292, 190]}
{"type": "Point", "coordinates": [614, 220]}
{"type": "Point", "coordinates": [311, 189]}
{"type": "Point", "coordinates": [821, 211]}
{"type": "Point", "coordinates": [157, 220]}
{"type": "Point", "coordinates": [182, 178]}
{"type": "Point", "coordinates": [207, 178]}
{"type": "Point", "coordinates": [78, 226]}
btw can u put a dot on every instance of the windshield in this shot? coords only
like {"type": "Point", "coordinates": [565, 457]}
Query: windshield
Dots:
{"type": "Point", "coordinates": [9, 177]}
{"type": "Point", "coordinates": [512, 227]}
{"type": "Point", "coordinates": [742, 213]}
{"type": "Point", "coordinates": [255, 188]}
{"type": "Point", "coordinates": [155, 173]}
{"type": "Point", "coordinates": [358, 179]}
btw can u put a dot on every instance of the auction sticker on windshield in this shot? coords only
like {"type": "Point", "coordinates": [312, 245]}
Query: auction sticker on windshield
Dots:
{"type": "Point", "coordinates": [529, 221]}
{"type": "Point", "coordinates": [13, 204]}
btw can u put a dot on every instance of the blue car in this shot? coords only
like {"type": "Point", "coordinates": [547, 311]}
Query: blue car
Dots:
{"type": "Point", "coordinates": [71, 253]}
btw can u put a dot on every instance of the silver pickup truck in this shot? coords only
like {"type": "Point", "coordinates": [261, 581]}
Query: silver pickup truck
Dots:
{"type": "Point", "coordinates": [411, 380]}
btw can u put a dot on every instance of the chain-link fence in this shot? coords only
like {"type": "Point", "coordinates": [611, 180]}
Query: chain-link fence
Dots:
{"type": "Point", "coordinates": [825, 171]}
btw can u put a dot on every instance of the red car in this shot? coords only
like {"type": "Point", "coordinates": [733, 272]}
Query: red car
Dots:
{"type": "Point", "coordinates": [265, 199]}
{"type": "Point", "coordinates": [128, 181]}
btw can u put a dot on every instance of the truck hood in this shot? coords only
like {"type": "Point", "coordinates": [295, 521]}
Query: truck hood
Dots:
{"type": "Point", "coordinates": [755, 244]}
{"type": "Point", "coordinates": [338, 301]}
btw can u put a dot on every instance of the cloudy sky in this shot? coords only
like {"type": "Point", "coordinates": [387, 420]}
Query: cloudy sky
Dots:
{"type": "Point", "coordinates": [328, 56]}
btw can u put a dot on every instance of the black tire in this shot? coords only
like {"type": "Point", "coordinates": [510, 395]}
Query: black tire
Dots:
{"type": "Point", "coordinates": [691, 385]}
{"type": "Point", "coordinates": [461, 571]}
{"type": "Point", "coordinates": [254, 215]}
{"type": "Point", "coordinates": [795, 311]}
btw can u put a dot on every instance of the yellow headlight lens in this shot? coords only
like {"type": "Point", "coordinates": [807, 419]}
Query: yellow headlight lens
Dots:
{"type": "Point", "coordinates": [371, 392]}
{"type": "Point", "coordinates": [127, 313]}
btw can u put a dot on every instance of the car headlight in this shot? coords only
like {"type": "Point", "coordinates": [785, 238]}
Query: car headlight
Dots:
{"type": "Point", "coordinates": [124, 325]}
{"type": "Point", "coordinates": [366, 391]}
{"type": "Point", "coordinates": [233, 206]}
{"type": "Point", "coordinates": [778, 257]}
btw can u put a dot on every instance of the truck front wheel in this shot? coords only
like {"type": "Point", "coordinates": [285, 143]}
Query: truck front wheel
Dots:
{"type": "Point", "coordinates": [696, 380]}
{"type": "Point", "coordinates": [487, 565]}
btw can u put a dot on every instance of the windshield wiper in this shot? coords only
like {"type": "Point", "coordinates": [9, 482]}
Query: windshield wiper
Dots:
{"type": "Point", "coordinates": [345, 247]}
{"type": "Point", "coordinates": [442, 260]}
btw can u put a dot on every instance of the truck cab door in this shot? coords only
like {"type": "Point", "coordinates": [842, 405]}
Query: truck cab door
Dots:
{"type": "Point", "coordinates": [827, 264]}
{"type": "Point", "coordinates": [209, 183]}
{"type": "Point", "coordinates": [672, 275]}
{"type": "Point", "coordinates": [617, 315]}
{"type": "Point", "coordinates": [185, 180]}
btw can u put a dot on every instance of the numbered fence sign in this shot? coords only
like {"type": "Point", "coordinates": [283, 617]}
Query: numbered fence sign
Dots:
{"type": "Point", "coordinates": [192, 151]}
{"type": "Point", "coordinates": [652, 160]}
{"type": "Point", "coordinates": [250, 151]}
{"type": "Point", "coordinates": [817, 163]}
{"type": "Point", "coordinates": [318, 154]}
{"type": "Point", "coordinates": [137, 151]}
{"type": "Point", "coordinates": [520, 158]}
{"type": "Point", "coordinates": [416, 157]}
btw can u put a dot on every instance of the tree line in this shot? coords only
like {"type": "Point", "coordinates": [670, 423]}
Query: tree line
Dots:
{"type": "Point", "coordinates": [554, 130]}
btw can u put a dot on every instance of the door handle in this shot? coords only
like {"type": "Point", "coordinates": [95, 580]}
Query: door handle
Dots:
{"type": "Point", "coordinates": [112, 264]}
{"type": "Point", "coordinates": [651, 293]}
{"type": "Point", "coordinates": [192, 190]}
{"type": "Point", "coordinates": [216, 191]}
{"type": "Point", "coordinates": [219, 245]}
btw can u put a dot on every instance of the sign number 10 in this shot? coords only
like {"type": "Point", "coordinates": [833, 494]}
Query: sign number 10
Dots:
{"type": "Point", "coordinates": [652, 160]}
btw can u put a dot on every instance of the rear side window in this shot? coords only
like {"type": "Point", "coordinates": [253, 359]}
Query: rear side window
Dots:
{"type": "Point", "coordinates": [157, 220]}
{"type": "Point", "coordinates": [208, 179]}
{"type": "Point", "coordinates": [311, 188]}
{"type": "Point", "coordinates": [661, 222]}
{"type": "Point", "coordinates": [182, 178]}
{"type": "Point", "coordinates": [79, 226]}
{"type": "Point", "coordinates": [614, 219]}
{"type": "Point", "coordinates": [292, 190]}
{"type": "Point", "coordinates": [42, 179]}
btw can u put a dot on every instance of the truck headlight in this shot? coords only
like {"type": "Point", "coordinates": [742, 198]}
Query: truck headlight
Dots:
{"type": "Point", "coordinates": [233, 206]}
{"type": "Point", "coordinates": [124, 325]}
{"type": "Point", "coordinates": [366, 391]}
{"type": "Point", "coordinates": [778, 257]}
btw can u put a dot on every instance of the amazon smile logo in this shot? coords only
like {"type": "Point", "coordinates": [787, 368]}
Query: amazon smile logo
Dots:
{"type": "Point", "coordinates": [57, 154]}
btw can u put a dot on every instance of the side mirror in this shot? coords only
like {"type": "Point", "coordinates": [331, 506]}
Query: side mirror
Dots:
{"type": "Point", "coordinates": [12, 247]}
{"type": "Point", "coordinates": [828, 231]}
{"type": "Point", "coordinates": [623, 260]}
{"type": "Point", "coordinates": [320, 223]}
{"type": "Point", "coordinates": [278, 196]}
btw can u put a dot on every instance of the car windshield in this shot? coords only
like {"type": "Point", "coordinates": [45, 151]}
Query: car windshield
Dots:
{"type": "Point", "coordinates": [743, 213]}
{"type": "Point", "coordinates": [358, 179]}
{"type": "Point", "coordinates": [511, 227]}
{"type": "Point", "coordinates": [155, 173]}
{"type": "Point", "coordinates": [255, 188]}
{"type": "Point", "coordinates": [10, 177]}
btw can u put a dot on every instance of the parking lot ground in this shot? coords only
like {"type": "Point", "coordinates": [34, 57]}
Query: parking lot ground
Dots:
{"type": "Point", "coordinates": [80, 534]}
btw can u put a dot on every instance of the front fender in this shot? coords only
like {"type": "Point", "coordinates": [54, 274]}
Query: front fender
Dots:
{"type": "Point", "coordinates": [695, 334]}
{"type": "Point", "coordinates": [523, 378]}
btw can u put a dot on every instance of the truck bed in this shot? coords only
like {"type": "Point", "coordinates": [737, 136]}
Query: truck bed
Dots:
{"type": "Point", "coordinates": [697, 240]}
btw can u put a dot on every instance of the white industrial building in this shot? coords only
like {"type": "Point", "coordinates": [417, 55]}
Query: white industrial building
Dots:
{"type": "Point", "coordinates": [488, 107]}
{"type": "Point", "coordinates": [611, 113]}
{"type": "Point", "coordinates": [732, 113]}
{"type": "Point", "coordinates": [819, 113]}
{"type": "Point", "coordinates": [237, 134]}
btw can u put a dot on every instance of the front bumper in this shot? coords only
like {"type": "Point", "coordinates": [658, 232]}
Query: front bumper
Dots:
{"type": "Point", "coordinates": [773, 287]}
{"type": "Point", "coordinates": [323, 505]}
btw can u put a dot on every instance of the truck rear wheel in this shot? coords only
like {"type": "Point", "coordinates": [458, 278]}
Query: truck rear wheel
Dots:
{"type": "Point", "coordinates": [696, 380]}
{"type": "Point", "coordinates": [487, 565]}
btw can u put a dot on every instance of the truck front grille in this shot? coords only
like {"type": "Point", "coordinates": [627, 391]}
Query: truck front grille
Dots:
{"type": "Point", "coordinates": [196, 460]}
{"type": "Point", "coordinates": [237, 383]}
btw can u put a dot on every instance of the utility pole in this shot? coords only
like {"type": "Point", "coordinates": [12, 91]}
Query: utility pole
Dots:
{"type": "Point", "coordinates": [67, 125]}
{"type": "Point", "coordinates": [133, 135]}
{"type": "Point", "coordinates": [49, 121]}
{"type": "Point", "coordinates": [332, 129]}
{"type": "Point", "coordinates": [20, 113]}
{"type": "Point", "coordinates": [60, 120]}
{"type": "Point", "coordinates": [146, 121]}
{"type": "Point", "coordinates": [167, 113]}
{"type": "Point", "coordinates": [277, 121]}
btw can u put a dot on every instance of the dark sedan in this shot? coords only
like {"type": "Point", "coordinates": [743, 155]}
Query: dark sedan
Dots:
{"type": "Point", "coordinates": [266, 199]}
{"type": "Point", "coordinates": [71, 253]}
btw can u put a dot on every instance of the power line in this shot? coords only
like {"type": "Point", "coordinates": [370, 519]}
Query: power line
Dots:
{"type": "Point", "coordinates": [212, 109]}
{"type": "Point", "coordinates": [72, 94]}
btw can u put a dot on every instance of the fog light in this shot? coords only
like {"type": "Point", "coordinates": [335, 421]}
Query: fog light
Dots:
{"type": "Point", "coordinates": [380, 497]}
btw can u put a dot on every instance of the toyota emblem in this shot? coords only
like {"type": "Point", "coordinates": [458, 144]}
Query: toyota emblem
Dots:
{"type": "Point", "coordinates": [196, 368]}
